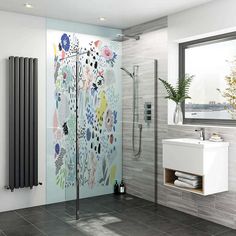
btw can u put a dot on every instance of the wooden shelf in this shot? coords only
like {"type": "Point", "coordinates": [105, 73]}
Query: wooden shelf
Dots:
{"type": "Point", "coordinates": [170, 178]}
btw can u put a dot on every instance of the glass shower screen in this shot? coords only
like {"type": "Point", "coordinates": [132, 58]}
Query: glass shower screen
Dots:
{"type": "Point", "coordinates": [84, 109]}
{"type": "Point", "coordinates": [99, 117]}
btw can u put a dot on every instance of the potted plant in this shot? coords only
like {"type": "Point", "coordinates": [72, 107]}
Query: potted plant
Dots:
{"type": "Point", "coordinates": [178, 94]}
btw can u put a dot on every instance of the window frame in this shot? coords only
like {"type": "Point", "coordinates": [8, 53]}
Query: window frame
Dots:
{"type": "Point", "coordinates": [195, 43]}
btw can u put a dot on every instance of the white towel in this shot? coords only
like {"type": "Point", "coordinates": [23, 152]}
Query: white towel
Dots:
{"type": "Point", "coordinates": [194, 183]}
{"type": "Point", "coordinates": [183, 185]}
{"type": "Point", "coordinates": [186, 176]}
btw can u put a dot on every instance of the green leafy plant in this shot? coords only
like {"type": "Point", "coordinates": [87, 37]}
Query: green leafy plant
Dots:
{"type": "Point", "coordinates": [179, 92]}
{"type": "Point", "coordinates": [230, 92]}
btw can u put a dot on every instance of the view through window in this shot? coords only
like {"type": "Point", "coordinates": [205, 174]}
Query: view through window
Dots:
{"type": "Point", "coordinates": [213, 89]}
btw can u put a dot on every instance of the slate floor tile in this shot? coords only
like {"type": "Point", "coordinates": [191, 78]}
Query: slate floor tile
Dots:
{"type": "Point", "coordinates": [51, 226]}
{"type": "Point", "coordinates": [211, 228]}
{"type": "Point", "coordinates": [9, 215]}
{"type": "Point", "coordinates": [39, 217]}
{"type": "Point", "coordinates": [30, 211]}
{"type": "Point", "coordinates": [13, 223]}
{"type": "Point", "coordinates": [26, 230]}
{"type": "Point", "coordinates": [163, 224]}
{"type": "Point", "coordinates": [228, 233]}
{"type": "Point", "coordinates": [66, 232]}
{"type": "Point", "coordinates": [188, 231]}
{"type": "Point", "coordinates": [107, 215]}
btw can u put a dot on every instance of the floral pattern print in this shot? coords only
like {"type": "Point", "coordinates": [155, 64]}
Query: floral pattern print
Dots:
{"type": "Point", "coordinates": [99, 109]}
{"type": "Point", "coordinates": [65, 42]}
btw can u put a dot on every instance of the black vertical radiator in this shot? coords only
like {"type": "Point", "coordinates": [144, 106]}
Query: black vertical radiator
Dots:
{"type": "Point", "coordinates": [23, 122]}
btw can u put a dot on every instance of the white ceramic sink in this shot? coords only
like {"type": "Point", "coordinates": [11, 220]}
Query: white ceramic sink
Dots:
{"type": "Point", "coordinates": [206, 159]}
{"type": "Point", "coordinates": [195, 142]}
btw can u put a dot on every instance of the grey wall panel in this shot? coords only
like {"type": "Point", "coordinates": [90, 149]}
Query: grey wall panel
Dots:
{"type": "Point", "coordinates": [140, 175]}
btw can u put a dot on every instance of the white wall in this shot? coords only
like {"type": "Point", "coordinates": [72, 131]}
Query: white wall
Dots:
{"type": "Point", "coordinates": [213, 18]}
{"type": "Point", "coordinates": [21, 35]}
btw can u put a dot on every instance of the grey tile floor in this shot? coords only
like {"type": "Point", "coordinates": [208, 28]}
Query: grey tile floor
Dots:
{"type": "Point", "coordinates": [107, 216]}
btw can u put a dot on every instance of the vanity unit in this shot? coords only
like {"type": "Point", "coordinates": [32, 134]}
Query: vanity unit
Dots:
{"type": "Point", "coordinates": [206, 159]}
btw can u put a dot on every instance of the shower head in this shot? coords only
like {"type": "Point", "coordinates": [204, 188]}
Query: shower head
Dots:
{"type": "Point", "coordinates": [127, 72]}
{"type": "Point", "coordinates": [124, 37]}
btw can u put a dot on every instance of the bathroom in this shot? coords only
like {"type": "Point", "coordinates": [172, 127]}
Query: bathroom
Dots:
{"type": "Point", "coordinates": [117, 125]}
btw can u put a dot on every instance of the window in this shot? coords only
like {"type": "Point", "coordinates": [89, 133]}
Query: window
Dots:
{"type": "Point", "coordinates": [212, 61]}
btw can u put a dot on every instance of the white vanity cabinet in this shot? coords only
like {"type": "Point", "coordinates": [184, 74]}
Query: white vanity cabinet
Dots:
{"type": "Point", "coordinates": [209, 160]}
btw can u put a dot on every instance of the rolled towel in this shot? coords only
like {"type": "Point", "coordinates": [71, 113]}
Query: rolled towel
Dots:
{"type": "Point", "coordinates": [183, 185]}
{"type": "Point", "coordinates": [186, 176]}
{"type": "Point", "coordinates": [194, 183]}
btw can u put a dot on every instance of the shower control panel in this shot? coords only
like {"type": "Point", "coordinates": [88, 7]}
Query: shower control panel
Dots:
{"type": "Point", "coordinates": [147, 112]}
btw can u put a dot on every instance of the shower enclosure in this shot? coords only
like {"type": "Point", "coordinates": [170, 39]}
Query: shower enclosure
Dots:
{"type": "Point", "coordinates": [140, 172]}
{"type": "Point", "coordinates": [85, 117]}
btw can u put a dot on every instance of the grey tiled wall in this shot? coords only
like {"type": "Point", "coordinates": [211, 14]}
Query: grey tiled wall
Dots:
{"type": "Point", "coordinates": [139, 174]}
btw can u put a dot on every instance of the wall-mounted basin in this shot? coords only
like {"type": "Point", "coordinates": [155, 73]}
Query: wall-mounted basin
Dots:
{"type": "Point", "coordinates": [195, 142]}
{"type": "Point", "coordinates": [202, 158]}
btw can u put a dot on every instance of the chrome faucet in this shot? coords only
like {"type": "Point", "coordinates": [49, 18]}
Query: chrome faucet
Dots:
{"type": "Point", "coordinates": [202, 133]}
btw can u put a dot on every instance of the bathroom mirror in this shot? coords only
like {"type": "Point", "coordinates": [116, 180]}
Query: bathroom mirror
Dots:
{"type": "Point", "coordinates": [212, 61]}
